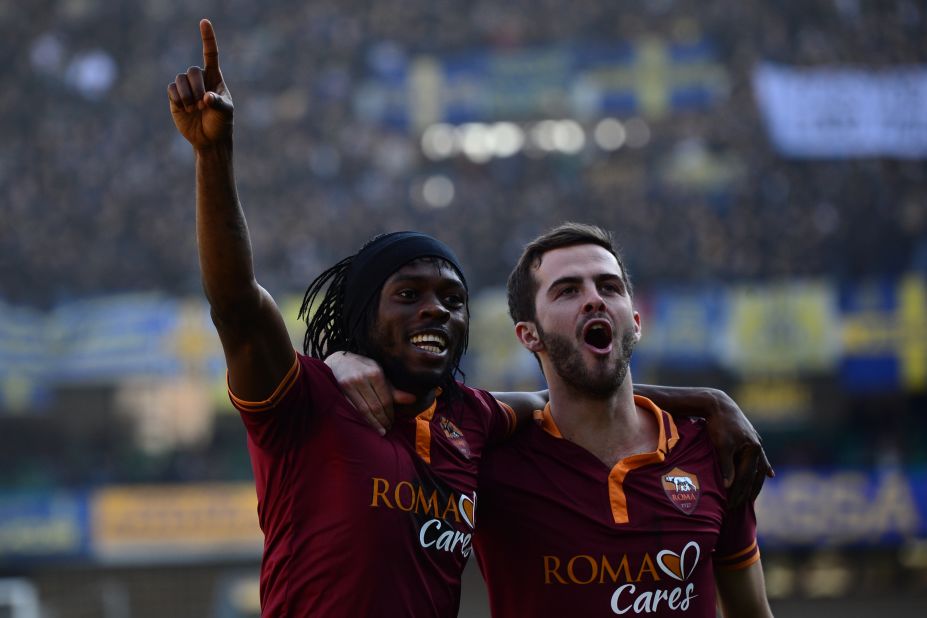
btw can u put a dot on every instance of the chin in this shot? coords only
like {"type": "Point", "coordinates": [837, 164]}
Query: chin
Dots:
{"type": "Point", "coordinates": [417, 381]}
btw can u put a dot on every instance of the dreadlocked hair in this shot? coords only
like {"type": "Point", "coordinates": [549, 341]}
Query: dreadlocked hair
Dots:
{"type": "Point", "coordinates": [325, 328]}
{"type": "Point", "coordinates": [327, 333]}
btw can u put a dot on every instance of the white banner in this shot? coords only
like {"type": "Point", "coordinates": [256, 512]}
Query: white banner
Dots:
{"type": "Point", "coordinates": [835, 112]}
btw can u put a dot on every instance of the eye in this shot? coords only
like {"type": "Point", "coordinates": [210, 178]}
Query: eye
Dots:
{"type": "Point", "coordinates": [454, 301]}
{"type": "Point", "coordinates": [407, 294]}
{"type": "Point", "coordinates": [611, 288]}
{"type": "Point", "coordinates": [567, 290]}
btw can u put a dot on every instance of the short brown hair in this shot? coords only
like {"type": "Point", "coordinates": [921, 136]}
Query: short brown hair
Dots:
{"type": "Point", "coordinates": [522, 285]}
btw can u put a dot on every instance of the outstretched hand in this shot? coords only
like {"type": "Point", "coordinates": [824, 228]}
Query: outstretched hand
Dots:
{"type": "Point", "coordinates": [201, 104]}
{"type": "Point", "coordinates": [362, 381]}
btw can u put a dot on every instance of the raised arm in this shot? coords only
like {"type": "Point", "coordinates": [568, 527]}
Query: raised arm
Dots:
{"type": "Point", "coordinates": [257, 347]}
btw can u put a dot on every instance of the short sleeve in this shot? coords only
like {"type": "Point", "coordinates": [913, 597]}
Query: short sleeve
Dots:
{"type": "Point", "coordinates": [275, 422]}
{"type": "Point", "coordinates": [502, 418]}
{"type": "Point", "coordinates": [737, 546]}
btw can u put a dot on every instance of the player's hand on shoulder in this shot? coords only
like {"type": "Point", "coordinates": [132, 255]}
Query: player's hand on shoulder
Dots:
{"type": "Point", "coordinates": [201, 104]}
{"type": "Point", "coordinates": [362, 381]}
{"type": "Point", "coordinates": [744, 466]}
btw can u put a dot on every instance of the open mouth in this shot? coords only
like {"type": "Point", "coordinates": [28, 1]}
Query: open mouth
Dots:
{"type": "Point", "coordinates": [598, 335]}
{"type": "Point", "coordinates": [433, 343]}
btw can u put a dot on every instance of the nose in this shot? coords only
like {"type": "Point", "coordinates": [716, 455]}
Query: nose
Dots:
{"type": "Point", "coordinates": [433, 308]}
{"type": "Point", "coordinates": [594, 302]}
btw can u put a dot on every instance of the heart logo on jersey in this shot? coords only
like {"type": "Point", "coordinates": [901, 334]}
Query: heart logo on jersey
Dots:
{"type": "Point", "coordinates": [680, 566]}
{"type": "Point", "coordinates": [467, 507]}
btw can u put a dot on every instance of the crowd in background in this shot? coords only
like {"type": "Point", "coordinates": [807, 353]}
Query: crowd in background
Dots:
{"type": "Point", "coordinates": [98, 190]}
{"type": "Point", "coordinates": [98, 187]}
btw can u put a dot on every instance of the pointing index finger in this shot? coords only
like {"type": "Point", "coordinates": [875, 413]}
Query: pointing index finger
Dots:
{"type": "Point", "coordinates": [210, 47]}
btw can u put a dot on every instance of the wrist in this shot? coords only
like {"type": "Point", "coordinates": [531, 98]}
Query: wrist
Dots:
{"type": "Point", "coordinates": [220, 148]}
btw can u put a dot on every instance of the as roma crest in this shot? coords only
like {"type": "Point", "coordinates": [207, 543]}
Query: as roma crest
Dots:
{"type": "Point", "coordinates": [455, 436]}
{"type": "Point", "coordinates": [682, 489]}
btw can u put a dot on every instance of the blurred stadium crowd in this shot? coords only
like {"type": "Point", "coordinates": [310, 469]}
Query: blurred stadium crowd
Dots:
{"type": "Point", "coordinates": [97, 198]}
{"type": "Point", "coordinates": [98, 188]}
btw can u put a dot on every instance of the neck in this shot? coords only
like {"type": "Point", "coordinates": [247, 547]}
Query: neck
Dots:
{"type": "Point", "coordinates": [611, 429]}
{"type": "Point", "coordinates": [421, 403]}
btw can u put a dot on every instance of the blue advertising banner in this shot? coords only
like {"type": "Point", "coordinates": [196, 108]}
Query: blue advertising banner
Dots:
{"type": "Point", "coordinates": [824, 508]}
{"type": "Point", "coordinates": [113, 337]}
{"type": "Point", "coordinates": [144, 524]}
{"type": "Point", "coordinates": [884, 335]}
{"type": "Point", "coordinates": [24, 358]}
{"type": "Point", "coordinates": [43, 526]}
{"type": "Point", "coordinates": [682, 326]}
{"type": "Point", "coordinates": [648, 76]}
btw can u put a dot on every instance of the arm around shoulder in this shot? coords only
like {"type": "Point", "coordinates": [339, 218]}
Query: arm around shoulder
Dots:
{"type": "Point", "coordinates": [523, 404]}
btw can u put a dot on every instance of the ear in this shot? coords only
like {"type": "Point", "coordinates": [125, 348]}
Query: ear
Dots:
{"type": "Point", "coordinates": [637, 326]}
{"type": "Point", "coordinates": [527, 334]}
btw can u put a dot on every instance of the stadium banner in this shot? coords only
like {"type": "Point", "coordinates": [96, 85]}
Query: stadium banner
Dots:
{"type": "Point", "coordinates": [841, 112]}
{"type": "Point", "coordinates": [112, 337]}
{"type": "Point", "coordinates": [43, 526]}
{"type": "Point", "coordinates": [784, 328]}
{"type": "Point", "coordinates": [681, 326]}
{"type": "Point", "coordinates": [24, 359]}
{"type": "Point", "coordinates": [494, 359]}
{"type": "Point", "coordinates": [884, 335]}
{"type": "Point", "coordinates": [648, 76]}
{"type": "Point", "coordinates": [831, 508]}
{"type": "Point", "coordinates": [175, 522]}
{"type": "Point", "coordinates": [779, 400]}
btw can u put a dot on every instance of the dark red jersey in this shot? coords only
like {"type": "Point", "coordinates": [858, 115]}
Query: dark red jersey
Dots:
{"type": "Point", "coordinates": [561, 534]}
{"type": "Point", "coordinates": [356, 524]}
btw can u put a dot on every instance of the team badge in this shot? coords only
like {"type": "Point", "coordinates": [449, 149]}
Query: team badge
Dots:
{"type": "Point", "coordinates": [455, 436]}
{"type": "Point", "coordinates": [682, 489]}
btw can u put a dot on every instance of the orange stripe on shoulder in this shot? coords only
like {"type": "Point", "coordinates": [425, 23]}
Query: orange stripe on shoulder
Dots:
{"type": "Point", "coordinates": [510, 416]}
{"type": "Point", "coordinates": [282, 389]}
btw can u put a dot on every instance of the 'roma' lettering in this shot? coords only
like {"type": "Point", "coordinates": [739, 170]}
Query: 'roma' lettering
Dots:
{"type": "Point", "coordinates": [408, 497]}
{"type": "Point", "coordinates": [584, 569]}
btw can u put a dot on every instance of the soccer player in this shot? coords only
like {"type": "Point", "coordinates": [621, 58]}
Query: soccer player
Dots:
{"type": "Point", "coordinates": [605, 505]}
{"type": "Point", "coordinates": [355, 524]}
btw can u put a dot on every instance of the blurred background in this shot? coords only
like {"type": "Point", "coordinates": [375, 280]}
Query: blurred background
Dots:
{"type": "Point", "coordinates": [761, 162]}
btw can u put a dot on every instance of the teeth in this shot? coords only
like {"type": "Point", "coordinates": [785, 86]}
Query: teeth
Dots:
{"type": "Point", "coordinates": [430, 342]}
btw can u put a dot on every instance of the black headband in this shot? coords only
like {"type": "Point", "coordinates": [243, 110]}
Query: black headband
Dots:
{"type": "Point", "coordinates": [379, 259]}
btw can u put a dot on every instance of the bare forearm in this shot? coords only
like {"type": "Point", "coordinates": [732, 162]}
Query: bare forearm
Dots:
{"type": "Point", "coordinates": [682, 401]}
{"type": "Point", "coordinates": [742, 594]}
{"type": "Point", "coordinates": [221, 230]}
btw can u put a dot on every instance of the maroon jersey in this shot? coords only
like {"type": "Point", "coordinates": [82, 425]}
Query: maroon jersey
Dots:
{"type": "Point", "coordinates": [356, 524]}
{"type": "Point", "coordinates": [560, 534]}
